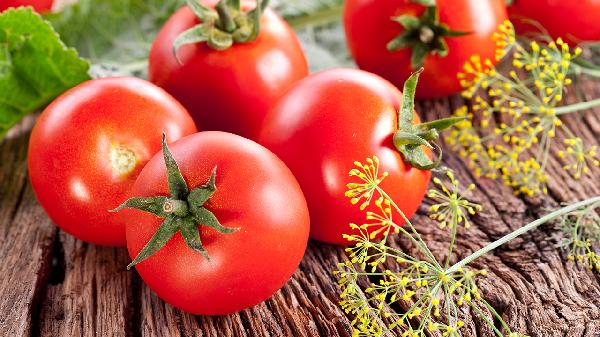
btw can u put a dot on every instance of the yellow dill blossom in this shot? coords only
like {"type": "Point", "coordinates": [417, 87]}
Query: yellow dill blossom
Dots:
{"type": "Point", "coordinates": [514, 117]}
{"type": "Point", "coordinates": [368, 173]}
{"type": "Point", "coordinates": [451, 205]}
{"type": "Point", "coordinates": [425, 288]}
{"type": "Point", "coordinates": [581, 237]}
{"type": "Point", "coordinates": [580, 158]}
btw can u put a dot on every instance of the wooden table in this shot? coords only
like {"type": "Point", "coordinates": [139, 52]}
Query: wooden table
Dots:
{"type": "Point", "coordinates": [54, 285]}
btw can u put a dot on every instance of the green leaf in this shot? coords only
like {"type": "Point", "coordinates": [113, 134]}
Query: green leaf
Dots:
{"type": "Point", "coordinates": [204, 217]}
{"type": "Point", "coordinates": [456, 33]}
{"type": "Point", "coordinates": [407, 109]}
{"type": "Point", "coordinates": [441, 48]}
{"type": "Point", "coordinates": [442, 124]}
{"type": "Point", "coordinates": [419, 53]}
{"type": "Point", "coordinates": [193, 35]}
{"type": "Point", "coordinates": [177, 186]}
{"type": "Point", "coordinates": [152, 205]}
{"type": "Point", "coordinates": [403, 40]}
{"type": "Point", "coordinates": [115, 34]}
{"type": "Point", "coordinates": [408, 21]}
{"type": "Point", "coordinates": [165, 232]}
{"type": "Point", "coordinates": [191, 236]}
{"type": "Point", "coordinates": [428, 3]}
{"type": "Point", "coordinates": [255, 15]}
{"type": "Point", "coordinates": [405, 138]}
{"type": "Point", "coordinates": [417, 158]}
{"type": "Point", "coordinates": [198, 9]}
{"type": "Point", "coordinates": [309, 13]}
{"type": "Point", "coordinates": [35, 66]}
{"type": "Point", "coordinates": [200, 195]}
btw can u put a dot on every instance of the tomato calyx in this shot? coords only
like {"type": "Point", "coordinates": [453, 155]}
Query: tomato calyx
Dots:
{"type": "Point", "coordinates": [222, 26]}
{"type": "Point", "coordinates": [409, 139]}
{"type": "Point", "coordinates": [183, 211]}
{"type": "Point", "coordinates": [425, 35]}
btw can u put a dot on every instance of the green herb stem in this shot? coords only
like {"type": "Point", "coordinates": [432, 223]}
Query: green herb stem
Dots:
{"type": "Point", "coordinates": [521, 231]}
{"type": "Point", "coordinates": [567, 109]}
{"type": "Point", "coordinates": [417, 240]}
{"type": "Point", "coordinates": [589, 71]}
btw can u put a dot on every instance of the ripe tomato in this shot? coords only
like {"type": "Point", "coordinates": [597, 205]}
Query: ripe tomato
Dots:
{"type": "Point", "coordinates": [90, 144]}
{"type": "Point", "coordinates": [255, 193]}
{"type": "Point", "coordinates": [326, 122]}
{"type": "Point", "coordinates": [229, 90]}
{"type": "Point", "coordinates": [574, 21]}
{"type": "Point", "coordinates": [38, 5]}
{"type": "Point", "coordinates": [369, 29]}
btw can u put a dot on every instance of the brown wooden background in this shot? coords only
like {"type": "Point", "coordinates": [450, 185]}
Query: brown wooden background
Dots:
{"type": "Point", "coordinates": [54, 285]}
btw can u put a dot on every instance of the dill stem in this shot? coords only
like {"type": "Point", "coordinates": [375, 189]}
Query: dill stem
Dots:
{"type": "Point", "coordinates": [416, 239]}
{"type": "Point", "coordinates": [452, 240]}
{"type": "Point", "coordinates": [588, 70]}
{"type": "Point", "coordinates": [567, 109]}
{"type": "Point", "coordinates": [521, 231]}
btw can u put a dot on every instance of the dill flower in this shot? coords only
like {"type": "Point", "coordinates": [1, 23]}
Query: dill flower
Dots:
{"type": "Point", "coordinates": [518, 113]}
{"type": "Point", "coordinates": [368, 173]}
{"type": "Point", "coordinates": [452, 206]}
{"type": "Point", "coordinates": [432, 293]}
{"type": "Point", "coordinates": [377, 278]}
{"type": "Point", "coordinates": [581, 237]}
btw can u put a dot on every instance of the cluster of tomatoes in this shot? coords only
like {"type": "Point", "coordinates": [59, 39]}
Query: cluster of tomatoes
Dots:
{"type": "Point", "coordinates": [216, 222]}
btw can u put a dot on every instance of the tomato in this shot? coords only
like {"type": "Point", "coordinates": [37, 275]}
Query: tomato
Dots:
{"type": "Point", "coordinates": [574, 21]}
{"type": "Point", "coordinates": [90, 144]}
{"type": "Point", "coordinates": [38, 5]}
{"type": "Point", "coordinates": [369, 28]}
{"type": "Point", "coordinates": [228, 90]}
{"type": "Point", "coordinates": [256, 194]}
{"type": "Point", "coordinates": [326, 122]}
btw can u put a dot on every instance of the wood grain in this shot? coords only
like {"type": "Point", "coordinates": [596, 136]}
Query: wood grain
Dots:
{"type": "Point", "coordinates": [54, 285]}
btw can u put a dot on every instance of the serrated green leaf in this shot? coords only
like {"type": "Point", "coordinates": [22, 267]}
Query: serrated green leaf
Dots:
{"type": "Point", "coordinates": [35, 66]}
{"type": "Point", "coordinates": [116, 34]}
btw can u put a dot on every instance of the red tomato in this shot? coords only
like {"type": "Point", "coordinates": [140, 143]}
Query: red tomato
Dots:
{"type": "Point", "coordinates": [326, 122]}
{"type": "Point", "coordinates": [90, 144]}
{"type": "Point", "coordinates": [38, 5]}
{"type": "Point", "coordinates": [574, 21]}
{"type": "Point", "coordinates": [230, 90]}
{"type": "Point", "coordinates": [256, 193]}
{"type": "Point", "coordinates": [369, 28]}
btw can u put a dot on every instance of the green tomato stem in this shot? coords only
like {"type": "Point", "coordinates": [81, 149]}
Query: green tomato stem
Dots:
{"type": "Point", "coordinates": [520, 232]}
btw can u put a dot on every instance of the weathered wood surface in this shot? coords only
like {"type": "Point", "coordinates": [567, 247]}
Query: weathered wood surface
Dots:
{"type": "Point", "coordinates": [54, 285]}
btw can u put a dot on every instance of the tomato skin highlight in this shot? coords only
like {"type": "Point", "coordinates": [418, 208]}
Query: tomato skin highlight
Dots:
{"type": "Point", "coordinates": [369, 28]}
{"type": "Point", "coordinates": [326, 122]}
{"type": "Point", "coordinates": [79, 148]}
{"type": "Point", "coordinates": [573, 21]}
{"type": "Point", "coordinates": [230, 90]}
{"type": "Point", "coordinates": [256, 193]}
{"type": "Point", "coordinates": [39, 6]}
